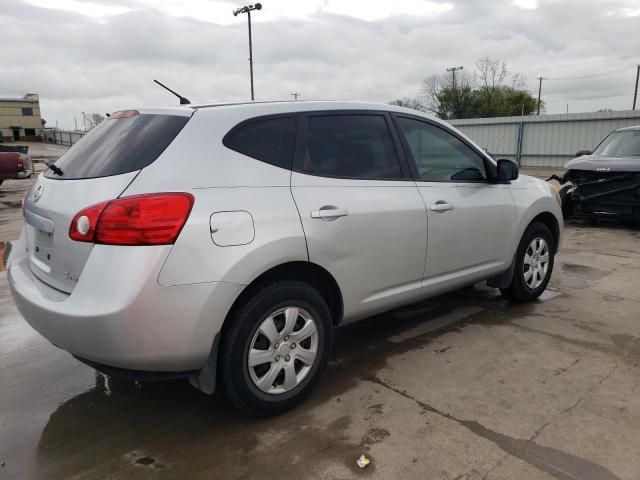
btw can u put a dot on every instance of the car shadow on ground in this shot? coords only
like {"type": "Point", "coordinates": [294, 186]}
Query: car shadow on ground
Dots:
{"type": "Point", "coordinates": [129, 419]}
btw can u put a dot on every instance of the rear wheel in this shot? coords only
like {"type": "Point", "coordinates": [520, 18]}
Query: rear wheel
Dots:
{"type": "Point", "coordinates": [534, 264]}
{"type": "Point", "coordinates": [275, 348]}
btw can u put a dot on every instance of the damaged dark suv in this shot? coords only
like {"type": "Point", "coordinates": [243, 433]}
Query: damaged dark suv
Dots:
{"type": "Point", "coordinates": [605, 182]}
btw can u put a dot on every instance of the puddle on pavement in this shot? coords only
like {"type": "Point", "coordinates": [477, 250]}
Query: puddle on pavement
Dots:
{"type": "Point", "coordinates": [579, 276]}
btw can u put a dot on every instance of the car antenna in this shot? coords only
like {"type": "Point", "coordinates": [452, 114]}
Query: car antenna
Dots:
{"type": "Point", "coordinates": [183, 100]}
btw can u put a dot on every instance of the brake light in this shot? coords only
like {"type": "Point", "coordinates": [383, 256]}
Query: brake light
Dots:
{"type": "Point", "coordinates": [19, 162]}
{"type": "Point", "coordinates": [150, 219]}
{"type": "Point", "coordinates": [123, 114]}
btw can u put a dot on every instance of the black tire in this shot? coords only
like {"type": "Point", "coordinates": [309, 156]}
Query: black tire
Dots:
{"type": "Point", "coordinates": [237, 337]}
{"type": "Point", "coordinates": [519, 291]}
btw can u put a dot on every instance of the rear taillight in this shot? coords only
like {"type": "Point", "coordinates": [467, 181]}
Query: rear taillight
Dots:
{"type": "Point", "coordinates": [151, 219]}
{"type": "Point", "coordinates": [19, 162]}
{"type": "Point", "coordinates": [83, 226]}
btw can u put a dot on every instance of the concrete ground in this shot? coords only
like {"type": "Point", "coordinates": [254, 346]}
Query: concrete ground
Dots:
{"type": "Point", "coordinates": [465, 386]}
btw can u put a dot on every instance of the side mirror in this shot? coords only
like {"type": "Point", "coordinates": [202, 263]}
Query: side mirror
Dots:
{"type": "Point", "coordinates": [580, 153]}
{"type": "Point", "coordinates": [506, 170]}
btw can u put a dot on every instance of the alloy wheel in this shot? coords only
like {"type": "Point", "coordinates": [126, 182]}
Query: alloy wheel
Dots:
{"type": "Point", "coordinates": [283, 350]}
{"type": "Point", "coordinates": [536, 263]}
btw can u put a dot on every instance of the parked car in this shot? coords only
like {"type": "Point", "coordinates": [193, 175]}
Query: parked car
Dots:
{"type": "Point", "coordinates": [232, 239]}
{"type": "Point", "coordinates": [605, 182]}
{"type": "Point", "coordinates": [15, 162]}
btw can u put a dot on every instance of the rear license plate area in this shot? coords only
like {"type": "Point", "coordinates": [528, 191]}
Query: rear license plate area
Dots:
{"type": "Point", "coordinates": [43, 246]}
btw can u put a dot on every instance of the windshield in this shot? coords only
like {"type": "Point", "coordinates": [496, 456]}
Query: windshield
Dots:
{"type": "Point", "coordinates": [118, 145]}
{"type": "Point", "coordinates": [624, 143]}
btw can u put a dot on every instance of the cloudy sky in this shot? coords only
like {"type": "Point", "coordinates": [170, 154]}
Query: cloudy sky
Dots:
{"type": "Point", "coordinates": [102, 55]}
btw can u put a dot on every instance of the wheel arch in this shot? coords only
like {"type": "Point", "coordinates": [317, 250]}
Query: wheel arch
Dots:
{"type": "Point", "coordinates": [304, 271]}
{"type": "Point", "coordinates": [551, 222]}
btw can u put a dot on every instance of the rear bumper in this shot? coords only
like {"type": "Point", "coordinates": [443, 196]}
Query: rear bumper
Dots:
{"type": "Point", "coordinates": [119, 316]}
{"type": "Point", "coordinates": [136, 375]}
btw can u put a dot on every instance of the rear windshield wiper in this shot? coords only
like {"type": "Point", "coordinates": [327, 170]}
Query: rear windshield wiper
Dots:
{"type": "Point", "coordinates": [57, 170]}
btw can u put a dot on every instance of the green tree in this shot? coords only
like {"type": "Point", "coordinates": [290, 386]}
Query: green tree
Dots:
{"type": "Point", "coordinates": [447, 96]}
{"type": "Point", "coordinates": [490, 74]}
{"type": "Point", "coordinates": [517, 102]}
{"type": "Point", "coordinates": [492, 91]}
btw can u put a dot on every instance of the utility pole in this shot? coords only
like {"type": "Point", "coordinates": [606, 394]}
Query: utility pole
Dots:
{"type": "Point", "coordinates": [247, 9]}
{"type": "Point", "coordinates": [453, 72]}
{"type": "Point", "coordinates": [539, 92]}
{"type": "Point", "coordinates": [635, 92]}
{"type": "Point", "coordinates": [84, 119]}
{"type": "Point", "coordinates": [295, 95]}
{"type": "Point", "coordinates": [455, 92]}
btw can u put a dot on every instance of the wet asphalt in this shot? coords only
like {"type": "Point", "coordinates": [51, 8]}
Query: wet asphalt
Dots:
{"type": "Point", "coordinates": [465, 386]}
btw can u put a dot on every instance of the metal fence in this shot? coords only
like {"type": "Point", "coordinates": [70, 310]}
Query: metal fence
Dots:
{"type": "Point", "coordinates": [544, 140]}
{"type": "Point", "coordinates": [62, 137]}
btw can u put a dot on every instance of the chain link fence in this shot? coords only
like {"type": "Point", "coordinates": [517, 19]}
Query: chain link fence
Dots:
{"type": "Point", "coordinates": [62, 137]}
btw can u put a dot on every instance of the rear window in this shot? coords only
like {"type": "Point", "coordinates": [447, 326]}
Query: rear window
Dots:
{"type": "Point", "coordinates": [119, 146]}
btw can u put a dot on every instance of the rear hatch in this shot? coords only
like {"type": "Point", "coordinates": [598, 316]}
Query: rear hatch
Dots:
{"type": "Point", "coordinates": [96, 169]}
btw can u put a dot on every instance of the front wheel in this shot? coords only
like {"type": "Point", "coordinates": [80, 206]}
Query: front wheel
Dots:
{"type": "Point", "coordinates": [275, 348]}
{"type": "Point", "coordinates": [534, 264]}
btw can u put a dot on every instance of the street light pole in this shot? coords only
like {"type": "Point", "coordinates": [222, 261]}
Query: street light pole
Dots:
{"type": "Point", "coordinates": [250, 56]}
{"type": "Point", "coordinates": [247, 9]}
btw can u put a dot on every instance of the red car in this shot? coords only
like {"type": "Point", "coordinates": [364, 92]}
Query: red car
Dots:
{"type": "Point", "coordinates": [15, 165]}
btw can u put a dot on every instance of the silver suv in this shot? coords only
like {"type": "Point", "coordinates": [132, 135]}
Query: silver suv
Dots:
{"type": "Point", "coordinates": [227, 241]}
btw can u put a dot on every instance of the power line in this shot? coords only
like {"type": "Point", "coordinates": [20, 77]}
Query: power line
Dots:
{"type": "Point", "coordinates": [414, 85]}
{"type": "Point", "coordinates": [590, 75]}
{"type": "Point", "coordinates": [588, 98]}
{"type": "Point", "coordinates": [384, 87]}
{"type": "Point", "coordinates": [602, 60]}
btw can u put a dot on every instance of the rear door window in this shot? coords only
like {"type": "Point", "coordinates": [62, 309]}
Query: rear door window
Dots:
{"type": "Point", "coordinates": [119, 145]}
{"type": "Point", "coordinates": [350, 146]}
{"type": "Point", "coordinates": [270, 139]}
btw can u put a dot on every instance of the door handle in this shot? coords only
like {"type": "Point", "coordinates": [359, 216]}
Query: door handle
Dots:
{"type": "Point", "coordinates": [329, 212]}
{"type": "Point", "coordinates": [441, 206]}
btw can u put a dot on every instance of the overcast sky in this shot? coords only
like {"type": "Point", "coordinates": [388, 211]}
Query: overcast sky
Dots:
{"type": "Point", "coordinates": [102, 55]}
